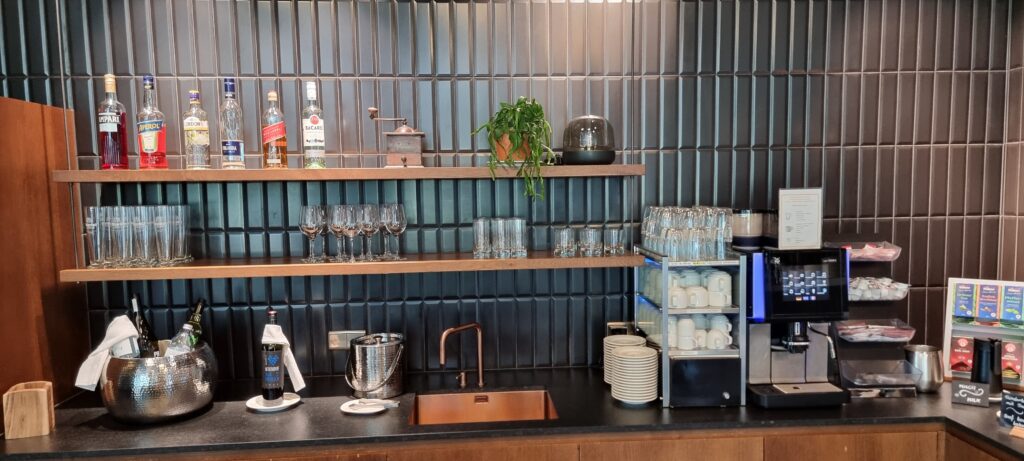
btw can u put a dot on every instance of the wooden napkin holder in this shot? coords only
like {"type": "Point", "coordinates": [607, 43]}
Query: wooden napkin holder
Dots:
{"type": "Point", "coordinates": [28, 410]}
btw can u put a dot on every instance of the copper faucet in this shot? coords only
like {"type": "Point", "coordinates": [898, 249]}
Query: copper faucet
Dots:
{"type": "Point", "coordinates": [479, 351]}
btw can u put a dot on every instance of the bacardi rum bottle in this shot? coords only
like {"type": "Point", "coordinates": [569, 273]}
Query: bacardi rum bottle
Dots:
{"type": "Point", "coordinates": [232, 148]}
{"type": "Point", "coordinates": [312, 131]}
{"type": "Point", "coordinates": [197, 134]}
{"type": "Point", "coordinates": [113, 128]}
{"type": "Point", "coordinates": [273, 368]}
{"type": "Point", "coordinates": [275, 139]}
{"type": "Point", "coordinates": [152, 130]}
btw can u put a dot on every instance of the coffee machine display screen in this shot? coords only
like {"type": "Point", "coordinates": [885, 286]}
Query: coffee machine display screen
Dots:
{"type": "Point", "coordinates": [805, 283]}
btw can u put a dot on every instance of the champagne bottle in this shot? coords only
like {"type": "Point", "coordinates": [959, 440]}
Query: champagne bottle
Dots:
{"type": "Point", "coordinates": [147, 347]}
{"type": "Point", "coordinates": [186, 339]}
{"type": "Point", "coordinates": [195, 318]}
{"type": "Point", "coordinates": [273, 372]}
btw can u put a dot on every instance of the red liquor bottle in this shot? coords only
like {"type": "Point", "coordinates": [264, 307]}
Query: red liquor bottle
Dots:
{"type": "Point", "coordinates": [113, 128]}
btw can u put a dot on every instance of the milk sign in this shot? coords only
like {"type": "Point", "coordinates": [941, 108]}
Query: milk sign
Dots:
{"type": "Point", "coordinates": [969, 393]}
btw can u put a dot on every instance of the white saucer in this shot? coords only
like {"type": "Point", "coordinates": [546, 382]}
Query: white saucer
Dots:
{"type": "Point", "coordinates": [258, 404]}
{"type": "Point", "coordinates": [353, 407]}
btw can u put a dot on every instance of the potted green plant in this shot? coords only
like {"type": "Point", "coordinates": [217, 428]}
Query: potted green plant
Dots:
{"type": "Point", "coordinates": [520, 137]}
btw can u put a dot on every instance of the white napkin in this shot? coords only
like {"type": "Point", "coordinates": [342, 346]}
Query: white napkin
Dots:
{"type": "Point", "coordinates": [120, 329]}
{"type": "Point", "coordinates": [272, 334]}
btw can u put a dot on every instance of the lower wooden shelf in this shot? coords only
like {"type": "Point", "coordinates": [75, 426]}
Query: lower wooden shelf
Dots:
{"type": "Point", "coordinates": [294, 267]}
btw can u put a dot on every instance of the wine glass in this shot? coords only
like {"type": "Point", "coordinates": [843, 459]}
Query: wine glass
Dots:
{"type": "Point", "coordinates": [395, 224]}
{"type": "Point", "coordinates": [350, 227]}
{"type": "Point", "coordinates": [311, 223]}
{"type": "Point", "coordinates": [341, 220]}
{"type": "Point", "coordinates": [386, 212]}
{"type": "Point", "coordinates": [369, 224]}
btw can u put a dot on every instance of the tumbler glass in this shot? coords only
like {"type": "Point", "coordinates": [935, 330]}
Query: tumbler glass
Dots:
{"type": "Point", "coordinates": [482, 238]}
{"type": "Point", "coordinates": [590, 242]}
{"type": "Point", "coordinates": [163, 230]}
{"type": "Point", "coordinates": [613, 241]}
{"type": "Point", "coordinates": [517, 237]}
{"type": "Point", "coordinates": [500, 245]}
{"type": "Point", "coordinates": [565, 243]}
{"type": "Point", "coordinates": [94, 218]}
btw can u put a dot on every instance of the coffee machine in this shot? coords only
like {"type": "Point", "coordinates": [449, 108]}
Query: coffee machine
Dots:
{"type": "Point", "coordinates": [793, 296]}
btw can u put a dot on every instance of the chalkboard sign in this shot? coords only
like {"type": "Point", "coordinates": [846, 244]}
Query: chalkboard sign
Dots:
{"type": "Point", "coordinates": [1012, 409]}
{"type": "Point", "coordinates": [969, 393]}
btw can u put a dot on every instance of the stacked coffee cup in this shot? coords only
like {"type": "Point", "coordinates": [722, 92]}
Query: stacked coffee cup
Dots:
{"type": "Point", "coordinates": [699, 289]}
{"type": "Point", "coordinates": [699, 331]}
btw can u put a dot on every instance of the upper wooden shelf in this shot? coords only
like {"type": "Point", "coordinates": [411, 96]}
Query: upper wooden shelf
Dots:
{"type": "Point", "coordinates": [334, 174]}
{"type": "Point", "coordinates": [293, 267]}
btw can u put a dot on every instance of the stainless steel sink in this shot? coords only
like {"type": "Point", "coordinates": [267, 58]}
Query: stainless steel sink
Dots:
{"type": "Point", "coordinates": [482, 407]}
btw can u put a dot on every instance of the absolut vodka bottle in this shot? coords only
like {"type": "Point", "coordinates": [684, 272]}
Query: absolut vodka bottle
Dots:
{"type": "Point", "coordinates": [197, 134]}
{"type": "Point", "coordinates": [152, 129]}
{"type": "Point", "coordinates": [273, 370]}
{"type": "Point", "coordinates": [312, 131]}
{"type": "Point", "coordinates": [232, 148]}
{"type": "Point", "coordinates": [113, 128]}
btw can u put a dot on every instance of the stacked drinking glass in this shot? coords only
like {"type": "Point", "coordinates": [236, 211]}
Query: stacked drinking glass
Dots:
{"type": "Point", "coordinates": [687, 234]}
{"type": "Point", "coordinates": [137, 236]}
{"type": "Point", "coordinates": [589, 242]}
{"type": "Point", "coordinates": [499, 238]}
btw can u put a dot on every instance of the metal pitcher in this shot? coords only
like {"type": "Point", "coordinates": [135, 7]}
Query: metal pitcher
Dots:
{"type": "Point", "coordinates": [927, 359]}
{"type": "Point", "coordinates": [376, 366]}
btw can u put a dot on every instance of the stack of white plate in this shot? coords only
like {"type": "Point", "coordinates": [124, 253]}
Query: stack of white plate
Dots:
{"type": "Point", "coordinates": [613, 342]}
{"type": "Point", "coordinates": [635, 377]}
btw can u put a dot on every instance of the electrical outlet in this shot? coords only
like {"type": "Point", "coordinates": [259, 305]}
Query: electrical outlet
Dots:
{"type": "Point", "coordinates": [341, 340]}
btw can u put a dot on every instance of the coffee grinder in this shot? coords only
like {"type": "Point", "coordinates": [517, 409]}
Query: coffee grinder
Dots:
{"type": "Point", "coordinates": [793, 296]}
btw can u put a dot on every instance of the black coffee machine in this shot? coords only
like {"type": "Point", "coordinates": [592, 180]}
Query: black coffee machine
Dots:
{"type": "Point", "coordinates": [793, 296]}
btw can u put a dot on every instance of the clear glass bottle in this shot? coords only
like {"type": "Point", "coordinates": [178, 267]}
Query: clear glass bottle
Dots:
{"type": "Point", "coordinates": [312, 131]}
{"type": "Point", "coordinates": [152, 130]}
{"type": "Point", "coordinates": [113, 128]}
{"type": "Point", "coordinates": [183, 342]}
{"type": "Point", "coordinates": [197, 134]}
{"type": "Point", "coordinates": [274, 135]}
{"type": "Point", "coordinates": [232, 147]}
{"type": "Point", "coordinates": [273, 367]}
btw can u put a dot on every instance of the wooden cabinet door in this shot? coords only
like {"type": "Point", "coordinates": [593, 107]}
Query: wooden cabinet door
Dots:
{"type": "Point", "coordinates": [959, 450]}
{"type": "Point", "coordinates": [897, 446]}
{"type": "Point", "coordinates": [508, 451]}
{"type": "Point", "coordinates": [718, 449]}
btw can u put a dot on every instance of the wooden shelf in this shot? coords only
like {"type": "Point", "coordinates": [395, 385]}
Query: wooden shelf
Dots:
{"type": "Point", "coordinates": [333, 174]}
{"type": "Point", "coordinates": [293, 267]}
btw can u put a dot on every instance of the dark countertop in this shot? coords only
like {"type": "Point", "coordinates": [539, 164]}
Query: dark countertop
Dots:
{"type": "Point", "coordinates": [583, 402]}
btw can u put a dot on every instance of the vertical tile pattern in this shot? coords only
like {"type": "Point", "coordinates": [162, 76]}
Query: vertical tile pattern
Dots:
{"type": "Point", "coordinates": [908, 114]}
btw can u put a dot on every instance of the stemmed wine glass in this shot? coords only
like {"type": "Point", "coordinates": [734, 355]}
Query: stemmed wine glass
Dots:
{"type": "Point", "coordinates": [385, 234]}
{"type": "Point", "coordinates": [369, 224]}
{"type": "Point", "coordinates": [311, 223]}
{"type": "Point", "coordinates": [394, 221]}
{"type": "Point", "coordinates": [350, 227]}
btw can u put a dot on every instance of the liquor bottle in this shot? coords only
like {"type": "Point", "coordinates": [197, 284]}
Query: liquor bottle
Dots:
{"type": "Point", "coordinates": [147, 348]}
{"type": "Point", "coordinates": [113, 128]}
{"type": "Point", "coordinates": [151, 128]}
{"type": "Point", "coordinates": [197, 134]}
{"type": "Point", "coordinates": [275, 139]}
{"type": "Point", "coordinates": [273, 372]}
{"type": "Point", "coordinates": [312, 131]}
{"type": "Point", "coordinates": [232, 148]}
{"type": "Point", "coordinates": [195, 317]}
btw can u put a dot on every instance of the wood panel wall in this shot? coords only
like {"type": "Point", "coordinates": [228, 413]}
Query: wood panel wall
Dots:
{"type": "Point", "coordinates": [43, 323]}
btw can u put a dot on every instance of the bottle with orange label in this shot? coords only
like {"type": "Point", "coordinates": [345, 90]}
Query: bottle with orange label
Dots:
{"type": "Point", "coordinates": [274, 139]}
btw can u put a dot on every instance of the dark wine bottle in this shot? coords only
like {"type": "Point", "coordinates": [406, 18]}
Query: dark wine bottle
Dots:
{"type": "Point", "coordinates": [273, 372]}
{"type": "Point", "coordinates": [147, 347]}
{"type": "Point", "coordinates": [195, 318]}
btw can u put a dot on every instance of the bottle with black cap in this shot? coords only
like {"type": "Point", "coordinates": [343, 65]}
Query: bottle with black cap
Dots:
{"type": "Point", "coordinates": [273, 370]}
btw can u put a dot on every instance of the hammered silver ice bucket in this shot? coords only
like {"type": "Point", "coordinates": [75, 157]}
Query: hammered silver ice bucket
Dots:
{"type": "Point", "coordinates": [376, 366]}
{"type": "Point", "coordinates": [156, 389]}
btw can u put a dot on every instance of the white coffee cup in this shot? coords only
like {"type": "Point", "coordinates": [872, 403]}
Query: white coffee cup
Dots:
{"type": "Point", "coordinates": [717, 339]}
{"type": "Point", "coordinates": [700, 321]}
{"type": "Point", "coordinates": [721, 323]}
{"type": "Point", "coordinates": [719, 282]}
{"type": "Point", "coordinates": [685, 327]}
{"type": "Point", "coordinates": [690, 278]}
{"type": "Point", "coordinates": [702, 338]}
{"type": "Point", "coordinates": [678, 298]}
{"type": "Point", "coordinates": [719, 299]}
{"type": "Point", "coordinates": [697, 297]}
{"type": "Point", "coordinates": [687, 343]}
